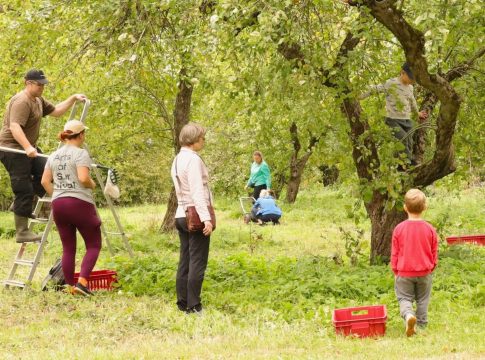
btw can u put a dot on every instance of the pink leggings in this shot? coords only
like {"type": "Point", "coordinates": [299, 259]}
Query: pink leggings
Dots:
{"type": "Point", "coordinates": [71, 214]}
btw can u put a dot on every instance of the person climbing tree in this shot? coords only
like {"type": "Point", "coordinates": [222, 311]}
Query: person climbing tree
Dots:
{"type": "Point", "coordinates": [400, 103]}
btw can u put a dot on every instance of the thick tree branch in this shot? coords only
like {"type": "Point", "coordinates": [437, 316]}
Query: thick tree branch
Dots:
{"type": "Point", "coordinates": [313, 142]}
{"type": "Point", "coordinates": [430, 100]}
{"type": "Point", "coordinates": [297, 165]}
{"type": "Point", "coordinates": [294, 138]}
{"type": "Point", "coordinates": [463, 68]}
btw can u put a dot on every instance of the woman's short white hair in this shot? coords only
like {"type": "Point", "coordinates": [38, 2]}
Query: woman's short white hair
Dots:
{"type": "Point", "coordinates": [264, 193]}
{"type": "Point", "coordinates": [190, 134]}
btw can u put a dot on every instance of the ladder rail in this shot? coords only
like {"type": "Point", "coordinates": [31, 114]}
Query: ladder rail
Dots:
{"type": "Point", "coordinates": [40, 249]}
{"type": "Point", "coordinates": [13, 269]}
{"type": "Point", "coordinates": [111, 206]}
{"type": "Point", "coordinates": [38, 253]}
{"type": "Point", "coordinates": [84, 111]}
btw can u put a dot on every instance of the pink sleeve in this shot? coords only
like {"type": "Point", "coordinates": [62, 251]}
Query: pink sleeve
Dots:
{"type": "Point", "coordinates": [197, 190]}
{"type": "Point", "coordinates": [394, 251]}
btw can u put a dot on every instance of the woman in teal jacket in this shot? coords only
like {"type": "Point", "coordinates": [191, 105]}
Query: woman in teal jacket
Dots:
{"type": "Point", "coordinates": [260, 177]}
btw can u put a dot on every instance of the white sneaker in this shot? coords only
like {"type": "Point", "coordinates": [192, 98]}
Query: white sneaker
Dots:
{"type": "Point", "coordinates": [410, 325]}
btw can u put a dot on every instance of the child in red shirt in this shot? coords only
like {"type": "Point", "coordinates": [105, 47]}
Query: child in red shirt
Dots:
{"type": "Point", "coordinates": [414, 256]}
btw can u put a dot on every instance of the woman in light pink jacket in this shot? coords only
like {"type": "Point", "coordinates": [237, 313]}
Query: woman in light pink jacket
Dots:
{"type": "Point", "coordinates": [191, 180]}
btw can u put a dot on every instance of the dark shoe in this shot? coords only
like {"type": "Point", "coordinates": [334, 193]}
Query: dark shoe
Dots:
{"type": "Point", "coordinates": [82, 290]}
{"type": "Point", "coordinates": [23, 234]}
{"type": "Point", "coordinates": [182, 306]}
{"type": "Point", "coordinates": [197, 309]}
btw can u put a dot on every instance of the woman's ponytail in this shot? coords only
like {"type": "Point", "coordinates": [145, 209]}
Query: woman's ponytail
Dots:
{"type": "Point", "coordinates": [68, 135]}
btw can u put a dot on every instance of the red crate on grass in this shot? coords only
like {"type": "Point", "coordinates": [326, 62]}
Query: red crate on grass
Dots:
{"type": "Point", "coordinates": [467, 239]}
{"type": "Point", "coordinates": [362, 321]}
{"type": "Point", "coordinates": [100, 279]}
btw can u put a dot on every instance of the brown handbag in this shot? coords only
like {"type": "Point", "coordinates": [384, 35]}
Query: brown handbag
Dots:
{"type": "Point", "coordinates": [193, 220]}
{"type": "Point", "coordinates": [192, 217]}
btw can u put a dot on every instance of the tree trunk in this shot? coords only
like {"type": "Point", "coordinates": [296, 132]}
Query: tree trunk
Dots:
{"type": "Point", "coordinates": [297, 166]}
{"type": "Point", "coordinates": [383, 222]}
{"type": "Point", "coordinates": [430, 101]}
{"type": "Point", "coordinates": [168, 223]}
{"type": "Point", "coordinates": [181, 115]}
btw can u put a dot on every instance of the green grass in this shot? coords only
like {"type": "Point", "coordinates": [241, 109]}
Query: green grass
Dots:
{"type": "Point", "coordinates": [269, 292]}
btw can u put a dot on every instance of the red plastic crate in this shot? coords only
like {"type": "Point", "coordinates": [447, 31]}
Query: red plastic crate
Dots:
{"type": "Point", "coordinates": [100, 279]}
{"type": "Point", "coordinates": [362, 321]}
{"type": "Point", "coordinates": [468, 239]}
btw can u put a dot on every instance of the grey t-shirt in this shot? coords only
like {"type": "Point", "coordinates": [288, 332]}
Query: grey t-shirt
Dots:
{"type": "Point", "coordinates": [400, 101]}
{"type": "Point", "coordinates": [64, 163]}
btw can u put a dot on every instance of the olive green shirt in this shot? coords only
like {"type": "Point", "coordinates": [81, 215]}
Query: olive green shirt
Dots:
{"type": "Point", "coordinates": [21, 109]}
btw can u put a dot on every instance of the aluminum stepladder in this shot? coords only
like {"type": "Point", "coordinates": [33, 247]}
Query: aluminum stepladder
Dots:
{"type": "Point", "coordinates": [246, 201]}
{"type": "Point", "coordinates": [33, 263]}
{"type": "Point", "coordinates": [97, 172]}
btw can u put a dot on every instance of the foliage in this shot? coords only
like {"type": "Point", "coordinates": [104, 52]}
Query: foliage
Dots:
{"type": "Point", "coordinates": [353, 244]}
{"type": "Point", "coordinates": [294, 287]}
{"type": "Point", "coordinates": [129, 54]}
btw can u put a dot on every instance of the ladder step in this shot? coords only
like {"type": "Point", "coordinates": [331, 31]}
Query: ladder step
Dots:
{"type": "Point", "coordinates": [39, 221]}
{"type": "Point", "coordinates": [14, 283]}
{"type": "Point", "coordinates": [45, 199]}
{"type": "Point", "coordinates": [24, 262]}
{"type": "Point", "coordinates": [114, 233]}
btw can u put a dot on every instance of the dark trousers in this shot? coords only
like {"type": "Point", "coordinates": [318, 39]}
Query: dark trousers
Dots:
{"type": "Point", "coordinates": [400, 129]}
{"type": "Point", "coordinates": [257, 191]}
{"type": "Point", "coordinates": [275, 219]}
{"type": "Point", "coordinates": [25, 176]}
{"type": "Point", "coordinates": [71, 214]}
{"type": "Point", "coordinates": [194, 253]}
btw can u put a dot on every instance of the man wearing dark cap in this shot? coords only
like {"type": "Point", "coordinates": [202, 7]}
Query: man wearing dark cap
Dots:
{"type": "Point", "coordinates": [400, 104]}
{"type": "Point", "coordinates": [20, 131]}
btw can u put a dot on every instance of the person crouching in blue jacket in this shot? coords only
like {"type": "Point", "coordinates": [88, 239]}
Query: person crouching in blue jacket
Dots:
{"type": "Point", "coordinates": [265, 209]}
